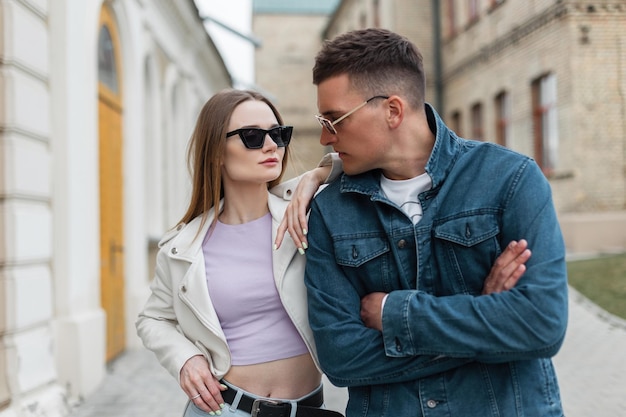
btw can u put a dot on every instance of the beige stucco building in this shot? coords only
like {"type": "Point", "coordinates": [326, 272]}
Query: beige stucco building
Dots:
{"type": "Point", "coordinates": [97, 102]}
{"type": "Point", "coordinates": [291, 34]}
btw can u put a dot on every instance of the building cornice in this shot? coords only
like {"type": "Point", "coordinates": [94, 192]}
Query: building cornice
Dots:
{"type": "Point", "coordinates": [34, 8]}
{"type": "Point", "coordinates": [190, 28]}
{"type": "Point", "coordinates": [181, 23]}
{"type": "Point", "coordinates": [555, 12]}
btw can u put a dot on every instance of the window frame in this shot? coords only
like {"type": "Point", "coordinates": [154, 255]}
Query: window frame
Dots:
{"type": "Point", "coordinates": [545, 122]}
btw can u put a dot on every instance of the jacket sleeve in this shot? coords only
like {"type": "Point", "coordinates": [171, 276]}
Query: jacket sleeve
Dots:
{"type": "Point", "coordinates": [349, 353]}
{"type": "Point", "coordinates": [332, 159]}
{"type": "Point", "coordinates": [526, 322]}
{"type": "Point", "coordinates": [157, 325]}
{"type": "Point", "coordinates": [285, 188]}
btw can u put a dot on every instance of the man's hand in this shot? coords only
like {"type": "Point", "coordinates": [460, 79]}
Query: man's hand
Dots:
{"type": "Point", "coordinates": [295, 219]}
{"type": "Point", "coordinates": [508, 268]}
{"type": "Point", "coordinates": [371, 310]}
{"type": "Point", "coordinates": [202, 388]}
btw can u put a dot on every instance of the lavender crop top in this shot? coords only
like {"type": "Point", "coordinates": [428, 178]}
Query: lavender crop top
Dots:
{"type": "Point", "coordinates": [238, 260]}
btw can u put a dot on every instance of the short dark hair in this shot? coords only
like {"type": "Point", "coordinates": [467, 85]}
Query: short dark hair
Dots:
{"type": "Point", "coordinates": [377, 61]}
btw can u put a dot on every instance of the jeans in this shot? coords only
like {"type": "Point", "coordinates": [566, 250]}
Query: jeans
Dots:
{"type": "Point", "coordinates": [230, 410]}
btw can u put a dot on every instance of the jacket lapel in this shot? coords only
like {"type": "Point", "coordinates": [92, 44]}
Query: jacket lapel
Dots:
{"type": "Point", "coordinates": [193, 287]}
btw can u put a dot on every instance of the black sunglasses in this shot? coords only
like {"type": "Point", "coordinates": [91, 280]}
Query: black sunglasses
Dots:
{"type": "Point", "coordinates": [254, 137]}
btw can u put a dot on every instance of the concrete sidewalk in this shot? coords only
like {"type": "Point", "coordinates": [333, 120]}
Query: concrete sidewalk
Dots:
{"type": "Point", "coordinates": [591, 367]}
{"type": "Point", "coordinates": [136, 385]}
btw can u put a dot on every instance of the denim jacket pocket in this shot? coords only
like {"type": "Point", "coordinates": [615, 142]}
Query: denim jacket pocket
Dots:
{"type": "Point", "coordinates": [366, 261]}
{"type": "Point", "coordinates": [357, 250]}
{"type": "Point", "coordinates": [469, 230]}
{"type": "Point", "coordinates": [466, 248]}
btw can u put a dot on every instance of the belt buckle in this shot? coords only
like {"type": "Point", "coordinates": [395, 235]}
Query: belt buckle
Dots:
{"type": "Point", "coordinates": [256, 405]}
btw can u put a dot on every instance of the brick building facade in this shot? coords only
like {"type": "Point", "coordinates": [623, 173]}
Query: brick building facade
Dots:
{"type": "Point", "coordinates": [569, 53]}
{"type": "Point", "coordinates": [546, 78]}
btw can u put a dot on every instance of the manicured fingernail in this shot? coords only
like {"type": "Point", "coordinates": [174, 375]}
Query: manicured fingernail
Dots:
{"type": "Point", "coordinates": [218, 412]}
{"type": "Point", "coordinates": [301, 251]}
{"type": "Point", "coordinates": [304, 231]}
{"type": "Point", "coordinates": [275, 246]}
{"type": "Point", "coordinates": [304, 245]}
{"type": "Point", "coordinates": [223, 386]}
{"type": "Point", "coordinates": [222, 405]}
{"type": "Point", "coordinates": [211, 413]}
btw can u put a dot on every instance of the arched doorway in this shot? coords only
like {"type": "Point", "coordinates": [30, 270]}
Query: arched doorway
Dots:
{"type": "Point", "coordinates": [110, 114]}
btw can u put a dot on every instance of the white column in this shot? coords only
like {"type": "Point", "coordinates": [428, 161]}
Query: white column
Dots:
{"type": "Point", "coordinates": [27, 368]}
{"type": "Point", "coordinates": [79, 325]}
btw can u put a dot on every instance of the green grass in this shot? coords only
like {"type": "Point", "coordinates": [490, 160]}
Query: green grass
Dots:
{"type": "Point", "coordinates": [602, 280]}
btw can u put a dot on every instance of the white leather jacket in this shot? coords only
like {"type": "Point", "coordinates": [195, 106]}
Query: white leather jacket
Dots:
{"type": "Point", "coordinates": [179, 320]}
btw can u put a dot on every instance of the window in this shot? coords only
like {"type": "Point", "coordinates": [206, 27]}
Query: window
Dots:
{"type": "Point", "coordinates": [545, 129]}
{"type": "Point", "coordinates": [477, 122]}
{"type": "Point", "coordinates": [503, 116]}
{"type": "Point", "coordinates": [451, 20]}
{"type": "Point", "coordinates": [472, 9]}
{"type": "Point", "coordinates": [107, 71]}
{"type": "Point", "coordinates": [376, 7]}
{"type": "Point", "coordinates": [456, 123]}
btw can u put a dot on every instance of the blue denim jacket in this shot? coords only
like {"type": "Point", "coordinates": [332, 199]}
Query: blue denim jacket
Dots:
{"type": "Point", "coordinates": [445, 350]}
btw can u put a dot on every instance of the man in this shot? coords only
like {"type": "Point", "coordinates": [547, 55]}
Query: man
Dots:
{"type": "Point", "coordinates": [401, 245]}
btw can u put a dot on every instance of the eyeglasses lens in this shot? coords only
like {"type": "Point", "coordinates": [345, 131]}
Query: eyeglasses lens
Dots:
{"type": "Point", "coordinates": [326, 124]}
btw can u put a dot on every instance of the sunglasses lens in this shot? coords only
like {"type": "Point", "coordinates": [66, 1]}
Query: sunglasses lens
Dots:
{"type": "Point", "coordinates": [276, 135]}
{"type": "Point", "coordinates": [281, 135]}
{"type": "Point", "coordinates": [286, 132]}
{"type": "Point", "coordinates": [252, 138]}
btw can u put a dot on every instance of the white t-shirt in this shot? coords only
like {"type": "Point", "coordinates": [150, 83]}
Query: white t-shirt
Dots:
{"type": "Point", "coordinates": [404, 193]}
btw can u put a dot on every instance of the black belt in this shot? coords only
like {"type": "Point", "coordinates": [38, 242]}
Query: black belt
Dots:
{"type": "Point", "coordinates": [267, 407]}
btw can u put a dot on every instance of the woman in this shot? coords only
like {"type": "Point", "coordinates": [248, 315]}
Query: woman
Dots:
{"type": "Point", "coordinates": [227, 314]}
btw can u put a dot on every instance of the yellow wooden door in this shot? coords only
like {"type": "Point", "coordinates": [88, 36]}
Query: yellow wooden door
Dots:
{"type": "Point", "coordinates": [111, 185]}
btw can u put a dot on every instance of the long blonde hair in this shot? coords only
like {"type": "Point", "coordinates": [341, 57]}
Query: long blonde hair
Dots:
{"type": "Point", "coordinates": [206, 150]}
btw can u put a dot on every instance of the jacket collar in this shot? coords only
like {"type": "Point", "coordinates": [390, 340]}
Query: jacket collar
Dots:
{"type": "Point", "coordinates": [187, 238]}
{"type": "Point", "coordinates": [185, 242]}
{"type": "Point", "coordinates": [445, 151]}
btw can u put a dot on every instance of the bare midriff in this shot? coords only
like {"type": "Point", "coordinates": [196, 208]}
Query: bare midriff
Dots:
{"type": "Point", "coordinates": [289, 378]}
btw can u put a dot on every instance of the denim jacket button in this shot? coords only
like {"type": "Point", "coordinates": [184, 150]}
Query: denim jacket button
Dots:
{"type": "Point", "coordinates": [431, 403]}
{"type": "Point", "coordinates": [401, 243]}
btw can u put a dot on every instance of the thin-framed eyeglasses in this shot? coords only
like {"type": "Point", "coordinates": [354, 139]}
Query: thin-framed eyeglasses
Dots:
{"type": "Point", "coordinates": [330, 126]}
{"type": "Point", "coordinates": [254, 137]}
